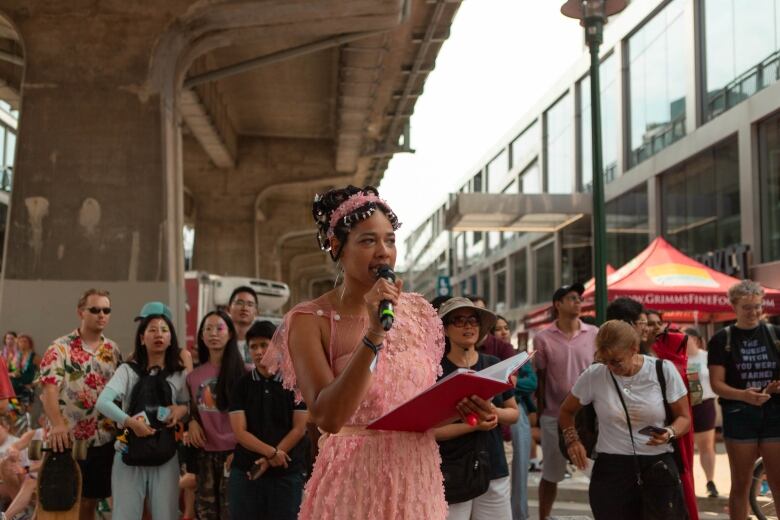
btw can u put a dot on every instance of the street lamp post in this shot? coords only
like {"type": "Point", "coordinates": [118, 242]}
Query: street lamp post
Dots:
{"type": "Point", "coordinates": [593, 15]}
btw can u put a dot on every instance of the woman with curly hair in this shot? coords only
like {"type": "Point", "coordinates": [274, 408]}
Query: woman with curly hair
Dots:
{"type": "Point", "coordinates": [335, 352]}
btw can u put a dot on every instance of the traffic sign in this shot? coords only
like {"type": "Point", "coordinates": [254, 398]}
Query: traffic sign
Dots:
{"type": "Point", "coordinates": [443, 286]}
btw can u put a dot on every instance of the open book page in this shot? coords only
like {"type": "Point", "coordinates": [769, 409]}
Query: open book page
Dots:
{"type": "Point", "coordinates": [503, 370]}
{"type": "Point", "coordinates": [437, 405]}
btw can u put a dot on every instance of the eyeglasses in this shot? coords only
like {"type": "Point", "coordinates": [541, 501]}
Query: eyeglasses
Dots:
{"type": "Point", "coordinates": [462, 321]}
{"type": "Point", "coordinates": [242, 303]}
{"type": "Point", "coordinates": [98, 310]}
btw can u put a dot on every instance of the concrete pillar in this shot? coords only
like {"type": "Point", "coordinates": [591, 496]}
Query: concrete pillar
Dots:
{"type": "Point", "coordinates": [96, 200]}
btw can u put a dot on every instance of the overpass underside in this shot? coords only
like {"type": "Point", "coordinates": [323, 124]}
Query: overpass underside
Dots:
{"type": "Point", "coordinates": [228, 116]}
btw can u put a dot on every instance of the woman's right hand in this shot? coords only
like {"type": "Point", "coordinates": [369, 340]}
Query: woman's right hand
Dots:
{"type": "Point", "coordinates": [382, 290]}
{"type": "Point", "coordinates": [755, 396]}
{"type": "Point", "coordinates": [487, 424]}
{"type": "Point", "coordinates": [577, 455]}
{"type": "Point", "coordinates": [139, 427]}
{"type": "Point", "coordinates": [197, 435]}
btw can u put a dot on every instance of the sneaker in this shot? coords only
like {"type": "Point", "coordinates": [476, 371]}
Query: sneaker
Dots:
{"type": "Point", "coordinates": [535, 466]}
{"type": "Point", "coordinates": [712, 491]}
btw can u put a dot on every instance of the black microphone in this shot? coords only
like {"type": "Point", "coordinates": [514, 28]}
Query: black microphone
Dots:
{"type": "Point", "coordinates": [386, 314]}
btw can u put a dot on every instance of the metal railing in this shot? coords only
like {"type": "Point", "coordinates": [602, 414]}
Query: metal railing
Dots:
{"type": "Point", "coordinates": [743, 86]}
{"type": "Point", "coordinates": [658, 138]}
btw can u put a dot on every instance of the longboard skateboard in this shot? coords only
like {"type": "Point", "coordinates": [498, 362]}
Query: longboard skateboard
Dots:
{"type": "Point", "coordinates": [59, 481]}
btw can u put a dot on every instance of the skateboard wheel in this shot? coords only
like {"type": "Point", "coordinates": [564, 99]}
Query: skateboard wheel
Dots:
{"type": "Point", "coordinates": [35, 451]}
{"type": "Point", "coordinates": [79, 450]}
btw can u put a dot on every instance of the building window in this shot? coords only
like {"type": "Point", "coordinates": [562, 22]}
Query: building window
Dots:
{"type": "Point", "coordinates": [741, 42]}
{"type": "Point", "coordinates": [526, 145]}
{"type": "Point", "coordinates": [484, 281]}
{"type": "Point", "coordinates": [576, 252]}
{"type": "Point", "coordinates": [499, 273]}
{"type": "Point", "coordinates": [628, 226]}
{"type": "Point", "coordinates": [476, 185]}
{"type": "Point", "coordinates": [559, 146]}
{"type": "Point", "coordinates": [188, 239]}
{"type": "Point", "coordinates": [700, 201]}
{"type": "Point", "coordinates": [493, 240]}
{"type": "Point", "coordinates": [460, 252]}
{"type": "Point", "coordinates": [769, 161]}
{"type": "Point", "coordinates": [531, 179]}
{"type": "Point", "coordinates": [657, 82]}
{"type": "Point", "coordinates": [609, 123]}
{"type": "Point", "coordinates": [519, 279]}
{"type": "Point", "coordinates": [544, 268]}
{"type": "Point", "coordinates": [496, 172]}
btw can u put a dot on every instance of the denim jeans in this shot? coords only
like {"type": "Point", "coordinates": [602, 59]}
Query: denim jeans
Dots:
{"type": "Point", "coordinates": [277, 498]}
{"type": "Point", "coordinates": [521, 448]}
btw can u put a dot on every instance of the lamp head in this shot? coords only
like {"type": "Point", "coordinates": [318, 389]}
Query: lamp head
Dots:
{"type": "Point", "coordinates": [584, 9]}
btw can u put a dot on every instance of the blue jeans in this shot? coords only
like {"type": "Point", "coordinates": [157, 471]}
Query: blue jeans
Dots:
{"type": "Point", "coordinates": [521, 448]}
{"type": "Point", "coordinates": [277, 498]}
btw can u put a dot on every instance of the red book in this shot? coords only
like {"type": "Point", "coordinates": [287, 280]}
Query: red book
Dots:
{"type": "Point", "coordinates": [437, 405]}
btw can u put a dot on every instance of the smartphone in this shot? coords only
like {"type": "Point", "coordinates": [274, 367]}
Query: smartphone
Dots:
{"type": "Point", "coordinates": [650, 430]}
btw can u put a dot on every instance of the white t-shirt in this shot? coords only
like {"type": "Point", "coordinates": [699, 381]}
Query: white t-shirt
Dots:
{"type": "Point", "coordinates": [698, 363]}
{"type": "Point", "coordinates": [642, 394]}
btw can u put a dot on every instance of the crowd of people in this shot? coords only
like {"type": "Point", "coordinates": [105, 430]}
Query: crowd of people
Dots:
{"type": "Point", "coordinates": [260, 422]}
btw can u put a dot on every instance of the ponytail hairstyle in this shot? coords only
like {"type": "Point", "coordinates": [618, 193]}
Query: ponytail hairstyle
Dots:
{"type": "Point", "coordinates": [232, 367]}
{"type": "Point", "coordinates": [337, 210]}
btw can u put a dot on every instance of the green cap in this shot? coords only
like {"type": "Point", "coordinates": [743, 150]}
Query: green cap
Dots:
{"type": "Point", "coordinates": [154, 309]}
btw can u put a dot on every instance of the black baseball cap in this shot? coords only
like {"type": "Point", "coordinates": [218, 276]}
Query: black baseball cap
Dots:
{"type": "Point", "coordinates": [566, 289]}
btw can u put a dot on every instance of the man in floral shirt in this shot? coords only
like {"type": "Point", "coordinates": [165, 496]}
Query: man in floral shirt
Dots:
{"type": "Point", "coordinates": [74, 370]}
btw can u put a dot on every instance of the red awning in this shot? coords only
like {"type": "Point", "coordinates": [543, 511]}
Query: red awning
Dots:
{"type": "Point", "coordinates": [663, 278]}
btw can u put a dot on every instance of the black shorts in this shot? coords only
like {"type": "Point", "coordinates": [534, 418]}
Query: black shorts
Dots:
{"type": "Point", "coordinates": [704, 416]}
{"type": "Point", "coordinates": [96, 471]}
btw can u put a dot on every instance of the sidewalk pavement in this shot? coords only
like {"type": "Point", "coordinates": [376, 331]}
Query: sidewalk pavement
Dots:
{"type": "Point", "coordinates": [573, 492]}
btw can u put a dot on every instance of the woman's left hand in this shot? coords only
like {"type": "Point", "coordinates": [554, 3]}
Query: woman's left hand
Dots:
{"type": "Point", "coordinates": [484, 410]}
{"type": "Point", "coordinates": [772, 388]}
{"type": "Point", "coordinates": [658, 439]}
{"type": "Point", "coordinates": [178, 411]}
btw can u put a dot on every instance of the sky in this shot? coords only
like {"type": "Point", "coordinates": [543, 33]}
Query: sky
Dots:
{"type": "Point", "coordinates": [500, 59]}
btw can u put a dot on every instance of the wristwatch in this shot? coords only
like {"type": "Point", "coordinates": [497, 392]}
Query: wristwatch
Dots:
{"type": "Point", "coordinates": [672, 435]}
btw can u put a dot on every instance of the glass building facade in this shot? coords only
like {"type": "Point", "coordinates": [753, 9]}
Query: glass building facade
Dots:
{"type": "Point", "coordinates": [690, 102]}
{"type": "Point", "coordinates": [656, 62]}
{"type": "Point", "coordinates": [741, 44]}
{"type": "Point", "coordinates": [559, 146]}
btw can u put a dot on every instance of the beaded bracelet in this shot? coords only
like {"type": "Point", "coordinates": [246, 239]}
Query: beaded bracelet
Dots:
{"type": "Point", "coordinates": [570, 436]}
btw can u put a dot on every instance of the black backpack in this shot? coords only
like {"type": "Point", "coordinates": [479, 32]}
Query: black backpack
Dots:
{"type": "Point", "coordinates": [150, 392]}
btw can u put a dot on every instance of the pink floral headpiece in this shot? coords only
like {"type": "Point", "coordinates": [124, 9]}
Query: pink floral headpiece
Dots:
{"type": "Point", "coordinates": [347, 207]}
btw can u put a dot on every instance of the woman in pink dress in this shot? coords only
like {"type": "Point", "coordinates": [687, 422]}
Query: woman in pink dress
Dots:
{"type": "Point", "coordinates": [336, 354]}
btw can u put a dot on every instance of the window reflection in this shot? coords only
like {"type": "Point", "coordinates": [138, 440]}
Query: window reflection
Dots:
{"type": "Point", "coordinates": [531, 179]}
{"type": "Point", "coordinates": [496, 172]}
{"type": "Point", "coordinates": [559, 146]}
{"type": "Point", "coordinates": [627, 226]}
{"type": "Point", "coordinates": [544, 267]}
{"type": "Point", "coordinates": [657, 83]}
{"type": "Point", "coordinates": [608, 76]}
{"type": "Point", "coordinates": [741, 47]}
{"type": "Point", "coordinates": [576, 252]}
{"type": "Point", "coordinates": [769, 157]}
{"type": "Point", "coordinates": [526, 145]}
{"type": "Point", "coordinates": [701, 201]}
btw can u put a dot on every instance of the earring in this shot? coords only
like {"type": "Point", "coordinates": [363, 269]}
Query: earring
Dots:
{"type": "Point", "coordinates": [339, 274]}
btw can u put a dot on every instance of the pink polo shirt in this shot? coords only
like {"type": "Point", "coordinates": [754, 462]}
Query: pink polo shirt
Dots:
{"type": "Point", "coordinates": [563, 360]}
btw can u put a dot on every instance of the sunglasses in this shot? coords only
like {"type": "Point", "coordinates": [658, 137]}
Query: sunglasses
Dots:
{"type": "Point", "coordinates": [98, 310]}
{"type": "Point", "coordinates": [462, 321]}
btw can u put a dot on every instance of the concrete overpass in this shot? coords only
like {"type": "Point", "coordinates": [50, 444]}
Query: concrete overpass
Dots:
{"type": "Point", "coordinates": [138, 117]}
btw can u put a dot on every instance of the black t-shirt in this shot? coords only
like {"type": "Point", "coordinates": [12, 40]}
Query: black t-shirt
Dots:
{"type": "Point", "coordinates": [495, 444]}
{"type": "Point", "coordinates": [269, 410]}
{"type": "Point", "coordinates": [753, 361]}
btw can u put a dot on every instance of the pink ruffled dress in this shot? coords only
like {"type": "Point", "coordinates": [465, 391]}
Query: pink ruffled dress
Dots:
{"type": "Point", "coordinates": [365, 474]}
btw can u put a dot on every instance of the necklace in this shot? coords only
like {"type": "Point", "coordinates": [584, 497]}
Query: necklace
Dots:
{"type": "Point", "coordinates": [628, 382]}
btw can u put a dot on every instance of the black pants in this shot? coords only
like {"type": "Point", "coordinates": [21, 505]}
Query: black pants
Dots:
{"type": "Point", "coordinates": [615, 493]}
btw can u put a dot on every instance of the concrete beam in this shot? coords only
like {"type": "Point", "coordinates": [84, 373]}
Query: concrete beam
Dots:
{"type": "Point", "coordinates": [204, 113]}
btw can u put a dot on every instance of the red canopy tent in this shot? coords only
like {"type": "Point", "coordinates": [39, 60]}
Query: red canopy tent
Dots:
{"type": "Point", "coordinates": [663, 278]}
